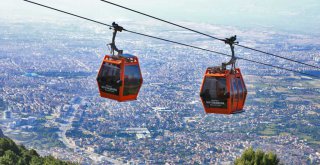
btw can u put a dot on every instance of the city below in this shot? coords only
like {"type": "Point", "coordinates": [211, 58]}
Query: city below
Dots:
{"type": "Point", "coordinates": [49, 98]}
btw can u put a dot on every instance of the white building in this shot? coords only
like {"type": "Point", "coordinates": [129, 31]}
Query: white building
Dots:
{"type": "Point", "coordinates": [7, 115]}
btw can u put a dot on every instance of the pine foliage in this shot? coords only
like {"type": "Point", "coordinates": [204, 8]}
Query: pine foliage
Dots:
{"type": "Point", "coordinates": [13, 154]}
{"type": "Point", "coordinates": [251, 157]}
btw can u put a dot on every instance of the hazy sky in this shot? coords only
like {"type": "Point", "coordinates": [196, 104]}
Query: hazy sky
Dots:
{"type": "Point", "coordinates": [287, 15]}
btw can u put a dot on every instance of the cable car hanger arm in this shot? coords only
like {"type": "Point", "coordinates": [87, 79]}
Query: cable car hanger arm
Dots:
{"type": "Point", "coordinates": [231, 41]}
{"type": "Point", "coordinates": [116, 28]}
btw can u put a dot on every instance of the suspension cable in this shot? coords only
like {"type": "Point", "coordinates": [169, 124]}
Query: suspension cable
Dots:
{"type": "Point", "coordinates": [179, 43]}
{"type": "Point", "coordinates": [216, 38]}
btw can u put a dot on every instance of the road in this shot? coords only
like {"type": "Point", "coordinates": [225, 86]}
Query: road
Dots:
{"type": "Point", "coordinates": [70, 143]}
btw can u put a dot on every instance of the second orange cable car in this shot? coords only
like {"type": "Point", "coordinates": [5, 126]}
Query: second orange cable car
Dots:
{"type": "Point", "coordinates": [223, 91]}
{"type": "Point", "coordinates": [119, 77]}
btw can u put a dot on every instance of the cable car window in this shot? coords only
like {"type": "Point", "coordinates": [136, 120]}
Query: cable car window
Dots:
{"type": "Point", "coordinates": [132, 80]}
{"type": "Point", "coordinates": [235, 89]}
{"type": "Point", "coordinates": [240, 88]}
{"type": "Point", "coordinates": [214, 92]}
{"type": "Point", "coordinates": [109, 78]}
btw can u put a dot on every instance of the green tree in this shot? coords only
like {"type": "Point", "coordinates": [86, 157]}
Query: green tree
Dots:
{"type": "Point", "coordinates": [8, 144]}
{"type": "Point", "coordinates": [259, 154]}
{"type": "Point", "coordinates": [9, 158]}
{"type": "Point", "coordinates": [12, 154]}
{"type": "Point", "coordinates": [36, 161]}
{"type": "Point", "coordinates": [270, 158]}
{"type": "Point", "coordinates": [251, 157]}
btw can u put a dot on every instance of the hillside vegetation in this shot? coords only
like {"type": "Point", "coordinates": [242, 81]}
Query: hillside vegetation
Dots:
{"type": "Point", "coordinates": [251, 157]}
{"type": "Point", "coordinates": [13, 154]}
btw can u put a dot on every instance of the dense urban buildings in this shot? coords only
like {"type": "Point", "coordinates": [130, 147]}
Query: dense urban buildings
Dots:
{"type": "Point", "coordinates": [49, 97]}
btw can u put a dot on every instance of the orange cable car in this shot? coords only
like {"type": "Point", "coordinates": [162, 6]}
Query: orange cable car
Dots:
{"type": "Point", "coordinates": [119, 77]}
{"type": "Point", "coordinates": [223, 91]}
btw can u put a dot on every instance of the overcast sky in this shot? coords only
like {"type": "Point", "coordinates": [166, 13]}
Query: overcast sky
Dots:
{"type": "Point", "coordinates": [286, 15]}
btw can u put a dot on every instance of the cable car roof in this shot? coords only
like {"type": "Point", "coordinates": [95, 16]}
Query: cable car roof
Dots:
{"type": "Point", "coordinates": [128, 56]}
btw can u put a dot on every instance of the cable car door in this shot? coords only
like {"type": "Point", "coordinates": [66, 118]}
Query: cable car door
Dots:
{"type": "Point", "coordinates": [109, 79]}
{"type": "Point", "coordinates": [214, 93]}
